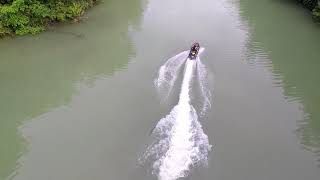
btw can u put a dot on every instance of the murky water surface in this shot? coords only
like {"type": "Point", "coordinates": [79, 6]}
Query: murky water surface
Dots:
{"type": "Point", "coordinates": [79, 102]}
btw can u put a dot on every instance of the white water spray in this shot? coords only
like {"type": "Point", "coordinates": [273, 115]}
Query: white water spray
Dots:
{"type": "Point", "coordinates": [181, 143]}
{"type": "Point", "coordinates": [205, 91]}
{"type": "Point", "coordinates": [168, 73]}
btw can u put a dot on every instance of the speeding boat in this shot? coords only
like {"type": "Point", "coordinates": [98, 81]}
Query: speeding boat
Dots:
{"type": "Point", "coordinates": [194, 51]}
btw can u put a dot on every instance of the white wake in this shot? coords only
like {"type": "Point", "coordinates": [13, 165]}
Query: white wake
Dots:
{"type": "Point", "coordinates": [168, 73]}
{"type": "Point", "coordinates": [180, 141]}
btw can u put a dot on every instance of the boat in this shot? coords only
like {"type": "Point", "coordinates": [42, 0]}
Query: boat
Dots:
{"type": "Point", "coordinates": [194, 51]}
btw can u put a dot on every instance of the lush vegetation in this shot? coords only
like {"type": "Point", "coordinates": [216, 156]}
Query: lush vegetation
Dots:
{"type": "Point", "coordinates": [314, 6]}
{"type": "Point", "coordinates": [19, 17]}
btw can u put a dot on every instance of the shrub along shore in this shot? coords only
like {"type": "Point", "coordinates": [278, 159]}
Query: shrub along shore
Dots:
{"type": "Point", "coordinates": [314, 6]}
{"type": "Point", "coordinates": [19, 17]}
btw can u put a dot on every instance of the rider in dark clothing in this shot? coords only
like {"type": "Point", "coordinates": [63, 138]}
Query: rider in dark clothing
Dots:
{"type": "Point", "coordinates": [195, 47]}
{"type": "Point", "coordinates": [194, 51]}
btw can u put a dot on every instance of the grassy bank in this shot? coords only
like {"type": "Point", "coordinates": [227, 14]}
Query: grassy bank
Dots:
{"type": "Point", "coordinates": [314, 6]}
{"type": "Point", "coordinates": [19, 17]}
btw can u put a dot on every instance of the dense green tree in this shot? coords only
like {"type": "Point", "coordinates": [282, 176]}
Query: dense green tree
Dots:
{"type": "Point", "coordinates": [310, 4]}
{"type": "Point", "coordinates": [32, 16]}
{"type": "Point", "coordinates": [314, 6]}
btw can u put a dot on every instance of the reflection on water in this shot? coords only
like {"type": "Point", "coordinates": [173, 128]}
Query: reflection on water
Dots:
{"type": "Point", "coordinates": [40, 73]}
{"type": "Point", "coordinates": [291, 42]}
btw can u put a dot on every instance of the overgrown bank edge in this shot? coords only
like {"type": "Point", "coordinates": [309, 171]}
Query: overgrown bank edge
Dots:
{"type": "Point", "coordinates": [19, 17]}
{"type": "Point", "coordinates": [314, 6]}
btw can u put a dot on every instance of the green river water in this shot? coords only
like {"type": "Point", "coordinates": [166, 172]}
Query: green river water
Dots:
{"type": "Point", "coordinates": [78, 102]}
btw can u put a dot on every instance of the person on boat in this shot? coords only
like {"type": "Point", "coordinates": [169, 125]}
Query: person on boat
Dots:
{"type": "Point", "coordinates": [194, 51]}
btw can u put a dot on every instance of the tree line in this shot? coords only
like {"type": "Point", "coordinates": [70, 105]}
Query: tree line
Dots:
{"type": "Point", "coordinates": [19, 17]}
{"type": "Point", "coordinates": [314, 6]}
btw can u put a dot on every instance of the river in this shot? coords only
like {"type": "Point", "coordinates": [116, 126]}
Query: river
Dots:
{"type": "Point", "coordinates": [79, 102]}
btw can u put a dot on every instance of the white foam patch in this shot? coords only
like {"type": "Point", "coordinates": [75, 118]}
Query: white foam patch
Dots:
{"type": "Point", "coordinates": [168, 73]}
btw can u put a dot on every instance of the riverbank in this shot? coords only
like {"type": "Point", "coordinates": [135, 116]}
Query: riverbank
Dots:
{"type": "Point", "coordinates": [20, 17]}
{"type": "Point", "coordinates": [314, 6]}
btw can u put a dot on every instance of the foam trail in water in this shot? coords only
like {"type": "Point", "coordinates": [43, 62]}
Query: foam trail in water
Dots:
{"type": "Point", "coordinates": [204, 87]}
{"type": "Point", "coordinates": [169, 71]}
{"type": "Point", "coordinates": [181, 142]}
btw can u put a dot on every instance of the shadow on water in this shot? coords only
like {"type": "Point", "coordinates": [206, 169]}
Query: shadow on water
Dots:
{"type": "Point", "coordinates": [291, 40]}
{"type": "Point", "coordinates": [38, 73]}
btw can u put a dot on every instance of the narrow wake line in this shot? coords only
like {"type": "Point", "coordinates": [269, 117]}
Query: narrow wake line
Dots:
{"type": "Point", "coordinates": [205, 92]}
{"type": "Point", "coordinates": [180, 141]}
